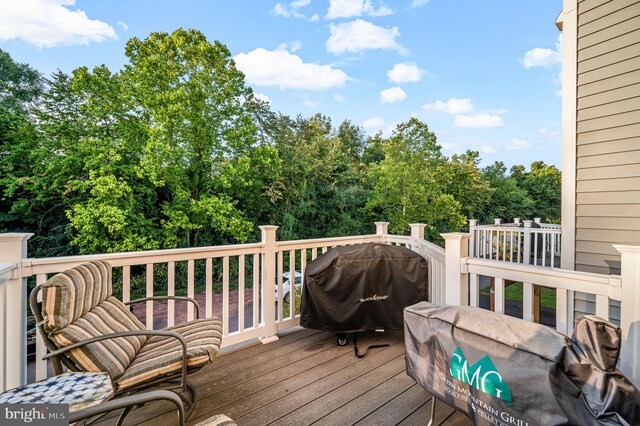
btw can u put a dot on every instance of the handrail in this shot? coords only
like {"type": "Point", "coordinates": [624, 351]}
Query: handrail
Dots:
{"type": "Point", "coordinates": [597, 284]}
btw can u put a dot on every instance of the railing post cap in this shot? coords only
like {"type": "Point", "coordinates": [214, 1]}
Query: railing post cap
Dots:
{"type": "Point", "coordinates": [382, 223]}
{"type": "Point", "coordinates": [527, 223]}
{"type": "Point", "coordinates": [456, 235]}
{"type": "Point", "coordinates": [268, 227]}
{"type": "Point", "coordinates": [497, 221]}
{"type": "Point", "coordinates": [473, 222]}
{"type": "Point", "coordinates": [627, 248]}
{"type": "Point", "coordinates": [537, 219]}
{"type": "Point", "coordinates": [15, 236]}
{"type": "Point", "coordinates": [417, 224]}
{"type": "Point", "coordinates": [516, 220]}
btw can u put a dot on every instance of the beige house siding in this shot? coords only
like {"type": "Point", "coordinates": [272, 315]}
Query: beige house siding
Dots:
{"type": "Point", "coordinates": [607, 136]}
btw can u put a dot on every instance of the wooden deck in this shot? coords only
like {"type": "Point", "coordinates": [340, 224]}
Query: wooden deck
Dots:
{"type": "Point", "coordinates": [305, 378]}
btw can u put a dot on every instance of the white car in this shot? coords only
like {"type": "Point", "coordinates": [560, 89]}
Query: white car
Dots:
{"type": "Point", "coordinates": [286, 285]}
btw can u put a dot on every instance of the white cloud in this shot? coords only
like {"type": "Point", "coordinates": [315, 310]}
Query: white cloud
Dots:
{"type": "Point", "coordinates": [359, 35]}
{"type": "Point", "coordinates": [314, 18]}
{"type": "Point", "coordinates": [478, 121]}
{"type": "Point", "coordinates": [262, 97]}
{"type": "Point", "coordinates": [419, 3]}
{"type": "Point", "coordinates": [392, 95]}
{"type": "Point", "coordinates": [373, 123]}
{"type": "Point", "coordinates": [293, 10]}
{"type": "Point", "coordinates": [452, 106]}
{"type": "Point", "coordinates": [542, 130]}
{"type": "Point", "coordinates": [288, 71]}
{"type": "Point", "coordinates": [449, 145]}
{"type": "Point", "coordinates": [309, 103]}
{"type": "Point", "coordinates": [405, 73]}
{"type": "Point", "coordinates": [518, 144]}
{"type": "Point", "coordinates": [123, 25]}
{"type": "Point", "coordinates": [543, 57]}
{"type": "Point", "coordinates": [49, 23]}
{"type": "Point", "coordinates": [349, 8]}
{"type": "Point", "coordinates": [338, 97]}
{"type": "Point", "coordinates": [294, 46]}
{"type": "Point", "coordinates": [488, 150]}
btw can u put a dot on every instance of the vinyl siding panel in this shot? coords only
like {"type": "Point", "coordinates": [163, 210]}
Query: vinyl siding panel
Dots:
{"type": "Point", "coordinates": [624, 10]}
{"type": "Point", "coordinates": [605, 185]}
{"type": "Point", "coordinates": [608, 139]}
{"type": "Point", "coordinates": [609, 147]}
{"type": "Point", "coordinates": [608, 97]}
{"type": "Point", "coordinates": [606, 110]}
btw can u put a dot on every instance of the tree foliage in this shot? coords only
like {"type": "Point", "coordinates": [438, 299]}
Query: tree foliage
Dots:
{"type": "Point", "coordinates": [174, 150]}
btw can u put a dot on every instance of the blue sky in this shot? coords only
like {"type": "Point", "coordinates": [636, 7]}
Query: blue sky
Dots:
{"type": "Point", "coordinates": [484, 75]}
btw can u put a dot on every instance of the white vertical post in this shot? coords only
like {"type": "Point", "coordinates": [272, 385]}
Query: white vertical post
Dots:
{"type": "Point", "coordinates": [417, 230]}
{"type": "Point", "coordinates": [537, 220]}
{"type": "Point", "coordinates": [382, 228]}
{"type": "Point", "coordinates": [456, 281]}
{"type": "Point", "coordinates": [472, 240]}
{"type": "Point", "coordinates": [630, 311]}
{"type": "Point", "coordinates": [526, 235]}
{"type": "Point", "coordinates": [516, 220]}
{"type": "Point", "coordinates": [268, 327]}
{"type": "Point", "coordinates": [13, 313]}
{"type": "Point", "coordinates": [497, 221]}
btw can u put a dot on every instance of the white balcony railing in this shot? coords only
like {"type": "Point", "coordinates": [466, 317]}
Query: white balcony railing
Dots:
{"type": "Point", "coordinates": [242, 292]}
{"type": "Point", "coordinates": [462, 288]}
{"type": "Point", "coordinates": [240, 284]}
{"type": "Point", "coordinates": [528, 242]}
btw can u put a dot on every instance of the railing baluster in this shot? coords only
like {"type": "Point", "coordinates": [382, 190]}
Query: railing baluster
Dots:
{"type": "Point", "coordinates": [510, 246]}
{"type": "Point", "coordinates": [280, 266]}
{"type": "Point", "coordinates": [171, 291]}
{"type": "Point", "coordinates": [126, 283]}
{"type": "Point", "coordinates": [241, 292]}
{"type": "Point", "coordinates": [41, 349]}
{"type": "Point", "coordinates": [562, 322]}
{"type": "Point", "coordinates": [256, 290]}
{"type": "Point", "coordinates": [504, 245]}
{"type": "Point", "coordinates": [474, 290]}
{"type": "Point", "coordinates": [292, 283]}
{"type": "Point", "coordinates": [602, 307]}
{"type": "Point", "coordinates": [225, 296]}
{"type": "Point", "coordinates": [499, 295]}
{"type": "Point", "coordinates": [314, 253]}
{"type": "Point", "coordinates": [149, 304]}
{"type": "Point", "coordinates": [190, 287]}
{"type": "Point", "coordinates": [527, 301]}
{"type": "Point", "coordinates": [208, 284]}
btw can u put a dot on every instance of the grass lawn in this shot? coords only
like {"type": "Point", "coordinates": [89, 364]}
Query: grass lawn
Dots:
{"type": "Point", "coordinates": [514, 292]}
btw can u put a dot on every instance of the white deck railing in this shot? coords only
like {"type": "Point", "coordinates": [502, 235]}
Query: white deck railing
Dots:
{"type": "Point", "coordinates": [240, 286]}
{"type": "Point", "coordinates": [463, 288]}
{"type": "Point", "coordinates": [228, 273]}
{"type": "Point", "coordinates": [528, 242]}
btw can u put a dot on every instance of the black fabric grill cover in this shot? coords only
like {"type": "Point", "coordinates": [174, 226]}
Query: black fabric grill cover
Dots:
{"type": "Point", "coordinates": [362, 287]}
{"type": "Point", "coordinates": [501, 370]}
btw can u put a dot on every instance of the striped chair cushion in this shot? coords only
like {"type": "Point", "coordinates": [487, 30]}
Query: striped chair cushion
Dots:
{"type": "Point", "coordinates": [161, 356]}
{"type": "Point", "coordinates": [113, 355]}
{"type": "Point", "coordinates": [72, 293]}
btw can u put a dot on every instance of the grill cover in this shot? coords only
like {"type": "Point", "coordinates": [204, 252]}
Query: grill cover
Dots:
{"type": "Point", "coordinates": [501, 370]}
{"type": "Point", "coordinates": [362, 287]}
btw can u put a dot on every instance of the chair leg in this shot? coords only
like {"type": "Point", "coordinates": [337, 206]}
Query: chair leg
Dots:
{"type": "Point", "coordinates": [433, 411]}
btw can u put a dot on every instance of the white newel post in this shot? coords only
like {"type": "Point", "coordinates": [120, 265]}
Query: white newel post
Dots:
{"type": "Point", "coordinates": [516, 220]}
{"type": "Point", "coordinates": [417, 230]}
{"type": "Point", "coordinates": [472, 240]}
{"type": "Point", "coordinates": [526, 235]}
{"type": "Point", "coordinates": [456, 280]}
{"type": "Point", "coordinates": [269, 327]}
{"type": "Point", "coordinates": [13, 313]}
{"type": "Point", "coordinates": [497, 222]}
{"type": "Point", "coordinates": [537, 220]}
{"type": "Point", "coordinates": [630, 311]}
{"type": "Point", "coordinates": [382, 228]}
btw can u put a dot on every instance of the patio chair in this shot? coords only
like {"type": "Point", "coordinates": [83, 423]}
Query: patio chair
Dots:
{"type": "Point", "coordinates": [86, 328]}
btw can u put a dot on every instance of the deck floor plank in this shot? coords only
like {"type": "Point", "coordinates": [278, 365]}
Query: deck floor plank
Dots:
{"type": "Point", "coordinates": [304, 378]}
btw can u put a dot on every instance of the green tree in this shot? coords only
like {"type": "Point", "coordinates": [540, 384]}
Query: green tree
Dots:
{"type": "Point", "coordinates": [508, 200]}
{"type": "Point", "coordinates": [405, 182]}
